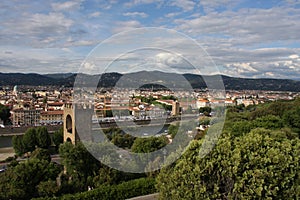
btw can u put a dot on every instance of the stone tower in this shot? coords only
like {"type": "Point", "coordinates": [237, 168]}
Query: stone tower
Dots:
{"type": "Point", "coordinates": [77, 122]}
{"type": "Point", "coordinates": [175, 108]}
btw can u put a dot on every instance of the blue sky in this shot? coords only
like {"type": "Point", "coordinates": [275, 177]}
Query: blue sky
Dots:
{"type": "Point", "coordinates": [244, 38]}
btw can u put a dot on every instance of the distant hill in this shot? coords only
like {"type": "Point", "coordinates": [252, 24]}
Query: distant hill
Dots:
{"type": "Point", "coordinates": [59, 75]}
{"type": "Point", "coordinates": [25, 79]}
{"type": "Point", "coordinates": [146, 78]}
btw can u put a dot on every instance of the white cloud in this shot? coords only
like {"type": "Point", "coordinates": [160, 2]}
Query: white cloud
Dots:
{"type": "Point", "coordinates": [186, 5]}
{"type": "Point", "coordinates": [135, 14]}
{"type": "Point", "coordinates": [37, 29]}
{"type": "Point", "coordinates": [212, 5]}
{"type": "Point", "coordinates": [140, 2]}
{"type": "Point", "coordinates": [66, 6]}
{"type": "Point", "coordinates": [38, 60]}
{"type": "Point", "coordinates": [169, 58]}
{"type": "Point", "coordinates": [294, 56]}
{"type": "Point", "coordinates": [126, 25]}
{"type": "Point", "coordinates": [172, 14]}
{"type": "Point", "coordinates": [95, 14]}
{"type": "Point", "coordinates": [246, 26]}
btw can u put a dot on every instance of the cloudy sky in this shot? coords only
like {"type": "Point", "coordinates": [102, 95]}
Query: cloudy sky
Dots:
{"type": "Point", "coordinates": [244, 38]}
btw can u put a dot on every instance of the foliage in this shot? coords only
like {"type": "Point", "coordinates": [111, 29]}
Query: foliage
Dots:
{"type": "Point", "coordinates": [148, 144]}
{"type": "Point", "coordinates": [148, 100]}
{"type": "Point", "coordinates": [204, 121]}
{"type": "Point", "coordinates": [41, 154]}
{"type": "Point", "coordinates": [18, 145]}
{"type": "Point", "coordinates": [123, 140]}
{"type": "Point", "coordinates": [169, 97]}
{"type": "Point", "coordinates": [58, 137]}
{"type": "Point", "coordinates": [137, 187]}
{"type": "Point", "coordinates": [292, 118]}
{"type": "Point", "coordinates": [205, 110]}
{"type": "Point", "coordinates": [4, 113]}
{"type": "Point", "coordinates": [43, 137]}
{"type": "Point", "coordinates": [78, 162]}
{"type": "Point", "coordinates": [30, 140]}
{"type": "Point", "coordinates": [173, 129]}
{"type": "Point", "coordinates": [21, 181]}
{"type": "Point", "coordinates": [258, 165]}
{"type": "Point", "coordinates": [268, 122]}
{"type": "Point", "coordinates": [48, 188]}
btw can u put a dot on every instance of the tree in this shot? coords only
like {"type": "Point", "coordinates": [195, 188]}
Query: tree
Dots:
{"type": "Point", "coordinates": [18, 145]}
{"type": "Point", "coordinates": [173, 129]}
{"type": "Point", "coordinates": [30, 140]}
{"type": "Point", "coordinates": [4, 113]}
{"type": "Point", "coordinates": [205, 110]}
{"type": "Point", "coordinates": [292, 119]}
{"type": "Point", "coordinates": [123, 140]}
{"type": "Point", "coordinates": [258, 165]}
{"type": "Point", "coordinates": [58, 138]}
{"type": "Point", "coordinates": [41, 154]}
{"type": "Point", "coordinates": [79, 163]}
{"type": "Point", "coordinates": [21, 181]}
{"type": "Point", "coordinates": [43, 137]}
{"type": "Point", "coordinates": [268, 122]}
{"type": "Point", "coordinates": [48, 188]}
{"type": "Point", "coordinates": [149, 144]}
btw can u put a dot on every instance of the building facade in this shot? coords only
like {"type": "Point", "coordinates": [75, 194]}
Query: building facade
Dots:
{"type": "Point", "coordinates": [24, 117]}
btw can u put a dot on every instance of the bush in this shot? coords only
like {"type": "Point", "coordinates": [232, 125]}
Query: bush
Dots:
{"type": "Point", "coordinates": [137, 187]}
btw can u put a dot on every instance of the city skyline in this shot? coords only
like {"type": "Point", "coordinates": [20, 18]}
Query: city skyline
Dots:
{"type": "Point", "coordinates": [253, 39]}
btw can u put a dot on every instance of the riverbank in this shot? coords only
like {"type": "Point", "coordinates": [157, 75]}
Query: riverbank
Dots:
{"type": "Point", "coordinates": [6, 152]}
{"type": "Point", "coordinates": [7, 131]}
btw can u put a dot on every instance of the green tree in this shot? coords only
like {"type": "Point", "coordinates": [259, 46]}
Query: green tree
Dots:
{"type": "Point", "coordinates": [21, 181]}
{"type": "Point", "coordinates": [4, 113]}
{"type": "Point", "coordinates": [18, 145]}
{"type": "Point", "coordinates": [58, 138]}
{"type": "Point", "coordinates": [43, 137]}
{"type": "Point", "coordinates": [173, 129]}
{"type": "Point", "coordinates": [123, 140]}
{"type": "Point", "coordinates": [258, 165]}
{"type": "Point", "coordinates": [149, 144]}
{"type": "Point", "coordinates": [41, 154]}
{"type": "Point", "coordinates": [292, 119]}
{"type": "Point", "coordinates": [30, 140]}
{"type": "Point", "coordinates": [48, 188]}
{"type": "Point", "coordinates": [268, 122]}
{"type": "Point", "coordinates": [205, 110]}
{"type": "Point", "coordinates": [79, 163]}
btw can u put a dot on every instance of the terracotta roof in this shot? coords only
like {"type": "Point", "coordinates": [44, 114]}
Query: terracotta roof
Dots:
{"type": "Point", "coordinates": [54, 112]}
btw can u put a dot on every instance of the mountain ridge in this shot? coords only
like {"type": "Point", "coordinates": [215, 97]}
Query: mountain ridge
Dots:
{"type": "Point", "coordinates": [113, 79]}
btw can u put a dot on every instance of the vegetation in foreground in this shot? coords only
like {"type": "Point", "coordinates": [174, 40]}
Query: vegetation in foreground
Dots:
{"type": "Point", "coordinates": [256, 157]}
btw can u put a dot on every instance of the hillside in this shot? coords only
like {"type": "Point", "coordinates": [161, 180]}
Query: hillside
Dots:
{"type": "Point", "coordinates": [138, 79]}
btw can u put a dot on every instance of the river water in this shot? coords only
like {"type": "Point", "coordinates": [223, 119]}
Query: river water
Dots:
{"type": "Point", "coordinates": [5, 141]}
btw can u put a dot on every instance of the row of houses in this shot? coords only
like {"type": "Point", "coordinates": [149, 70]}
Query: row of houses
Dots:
{"type": "Point", "coordinates": [28, 116]}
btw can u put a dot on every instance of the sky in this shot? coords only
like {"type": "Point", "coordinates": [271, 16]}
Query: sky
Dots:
{"type": "Point", "coordinates": [243, 38]}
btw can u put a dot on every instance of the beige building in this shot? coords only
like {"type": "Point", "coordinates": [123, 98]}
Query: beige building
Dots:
{"type": "Point", "coordinates": [26, 117]}
{"type": "Point", "coordinates": [201, 103]}
{"type": "Point", "coordinates": [51, 117]}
